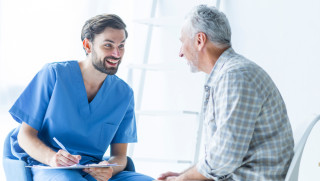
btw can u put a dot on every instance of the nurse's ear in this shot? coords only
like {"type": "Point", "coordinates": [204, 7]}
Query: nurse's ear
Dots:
{"type": "Point", "coordinates": [87, 45]}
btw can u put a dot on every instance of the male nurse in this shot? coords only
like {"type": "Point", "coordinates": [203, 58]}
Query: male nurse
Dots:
{"type": "Point", "coordinates": [84, 105]}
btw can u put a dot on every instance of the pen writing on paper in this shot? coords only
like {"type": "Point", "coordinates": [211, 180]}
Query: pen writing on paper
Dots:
{"type": "Point", "coordinates": [64, 148]}
{"type": "Point", "coordinates": [60, 144]}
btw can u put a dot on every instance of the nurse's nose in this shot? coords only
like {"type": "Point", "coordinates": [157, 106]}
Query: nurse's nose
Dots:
{"type": "Point", "coordinates": [116, 52]}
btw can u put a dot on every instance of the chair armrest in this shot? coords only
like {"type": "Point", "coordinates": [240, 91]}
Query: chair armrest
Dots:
{"type": "Point", "coordinates": [15, 170]}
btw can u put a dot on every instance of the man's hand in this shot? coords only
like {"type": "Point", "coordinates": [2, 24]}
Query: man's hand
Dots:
{"type": "Point", "coordinates": [100, 174]}
{"type": "Point", "coordinates": [172, 178]}
{"type": "Point", "coordinates": [187, 175]}
{"type": "Point", "coordinates": [63, 158]}
{"type": "Point", "coordinates": [168, 176]}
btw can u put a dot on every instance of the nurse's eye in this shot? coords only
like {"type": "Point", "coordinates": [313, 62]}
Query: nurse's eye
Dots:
{"type": "Point", "coordinates": [108, 45]}
{"type": "Point", "coordinates": [121, 46]}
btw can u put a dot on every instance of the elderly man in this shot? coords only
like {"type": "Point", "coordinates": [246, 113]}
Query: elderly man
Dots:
{"type": "Point", "coordinates": [247, 131]}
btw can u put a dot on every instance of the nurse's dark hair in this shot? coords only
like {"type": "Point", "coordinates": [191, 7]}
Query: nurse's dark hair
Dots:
{"type": "Point", "coordinates": [99, 23]}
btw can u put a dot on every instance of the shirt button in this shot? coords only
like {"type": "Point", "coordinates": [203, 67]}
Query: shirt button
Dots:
{"type": "Point", "coordinates": [207, 88]}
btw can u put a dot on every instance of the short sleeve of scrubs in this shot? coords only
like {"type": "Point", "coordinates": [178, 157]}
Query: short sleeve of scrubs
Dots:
{"type": "Point", "coordinates": [32, 104]}
{"type": "Point", "coordinates": [127, 132]}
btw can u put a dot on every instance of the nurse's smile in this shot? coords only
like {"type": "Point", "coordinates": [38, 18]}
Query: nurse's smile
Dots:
{"type": "Point", "coordinates": [112, 62]}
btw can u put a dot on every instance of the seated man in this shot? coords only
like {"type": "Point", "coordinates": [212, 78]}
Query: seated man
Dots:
{"type": "Point", "coordinates": [84, 105]}
{"type": "Point", "coordinates": [248, 133]}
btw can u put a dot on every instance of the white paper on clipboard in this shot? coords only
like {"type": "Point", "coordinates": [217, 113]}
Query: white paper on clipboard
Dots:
{"type": "Point", "coordinates": [77, 166]}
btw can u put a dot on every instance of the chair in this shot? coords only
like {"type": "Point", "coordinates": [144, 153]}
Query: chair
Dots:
{"type": "Point", "coordinates": [15, 169]}
{"type": "Point", "coordinates": [293, 171]}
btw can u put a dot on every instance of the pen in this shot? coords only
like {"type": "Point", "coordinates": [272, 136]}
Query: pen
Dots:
{"type": "Point", "coordinates": [60, 144]}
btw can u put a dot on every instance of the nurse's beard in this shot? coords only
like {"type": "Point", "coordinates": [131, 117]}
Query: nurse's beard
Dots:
{"type": "Point", "coordinates": [101, 65]}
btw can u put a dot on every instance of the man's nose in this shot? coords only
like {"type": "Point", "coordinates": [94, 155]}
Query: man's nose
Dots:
{"type": "Point", "coordinates": [116, 52]}
{"type": "Point", "coordinates": [180, 53]}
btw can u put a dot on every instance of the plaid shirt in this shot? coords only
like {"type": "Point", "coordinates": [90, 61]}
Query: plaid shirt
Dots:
{"type": "Point", "coordinates": [247, 132]}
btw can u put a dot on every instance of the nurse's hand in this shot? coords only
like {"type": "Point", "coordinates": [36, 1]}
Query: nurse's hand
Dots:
{"type": "Point", "coordinates": [100, 174]}
{"type": "Point", "coordinates": [63, 158]}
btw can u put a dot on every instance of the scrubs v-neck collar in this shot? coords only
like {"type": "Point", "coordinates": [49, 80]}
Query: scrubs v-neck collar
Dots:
{"type": "Point", "coordinates": [86, 107]}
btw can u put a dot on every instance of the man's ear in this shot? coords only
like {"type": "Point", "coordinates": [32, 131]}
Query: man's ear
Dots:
{"type": "Point", "coordinates": [87, 45]}
{"type": "Point", "coordinates": [200, 40]}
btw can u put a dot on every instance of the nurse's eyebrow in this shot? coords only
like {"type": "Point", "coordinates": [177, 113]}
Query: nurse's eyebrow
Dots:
{"type": "Point", "coordinates": [109, 41]}
{"type": "Point", "coordinates": [113, 41]}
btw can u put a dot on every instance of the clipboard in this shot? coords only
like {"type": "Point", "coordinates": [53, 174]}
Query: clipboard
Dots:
{"type": "Point", "coordinates": [77, 166]}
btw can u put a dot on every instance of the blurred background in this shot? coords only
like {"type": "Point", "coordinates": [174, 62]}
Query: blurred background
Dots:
{"type": "Point", "coordinates": [282, 36]}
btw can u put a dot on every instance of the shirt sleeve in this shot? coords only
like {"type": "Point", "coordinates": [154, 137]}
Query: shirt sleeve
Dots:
{"type": "Point", "coordinates": [32, 104]}
{"type": "Point", "coordinates": [236, 108]}
{"type": "Point", "coordinates": [127, 131]}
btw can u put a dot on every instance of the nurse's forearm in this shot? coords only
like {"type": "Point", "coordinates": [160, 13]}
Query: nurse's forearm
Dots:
{"type": "Point", "coordinates": [120, 160]}
{"type": "Point", "coordinates": [29, 141]}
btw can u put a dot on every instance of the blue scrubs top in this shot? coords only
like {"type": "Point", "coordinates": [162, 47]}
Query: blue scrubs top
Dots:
{"type": "Point", "coordinates": [55, 103]}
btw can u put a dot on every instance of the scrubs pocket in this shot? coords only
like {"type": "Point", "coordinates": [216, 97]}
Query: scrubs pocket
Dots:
{"type": "Point", "coordinates": [107, 133]}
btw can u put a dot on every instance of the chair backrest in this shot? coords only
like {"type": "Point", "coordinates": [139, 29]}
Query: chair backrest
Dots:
{"type": "Point", "coordinates": [7, 147]}
{"type": "Point", "coordinates": [293, 172]}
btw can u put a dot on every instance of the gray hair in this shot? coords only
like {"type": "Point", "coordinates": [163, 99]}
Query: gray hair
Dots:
{"type": "Point", "coordinates": [212, 22]}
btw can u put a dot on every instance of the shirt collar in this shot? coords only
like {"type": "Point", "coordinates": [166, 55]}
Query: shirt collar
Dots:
{"type": "Point", "coordinates": [219, 64]}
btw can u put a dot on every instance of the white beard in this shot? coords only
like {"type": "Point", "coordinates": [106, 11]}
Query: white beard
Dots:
{"type": "Point", "coordinates": [194, 64]}
{"type": "Point", "coordinates": [193, 67]}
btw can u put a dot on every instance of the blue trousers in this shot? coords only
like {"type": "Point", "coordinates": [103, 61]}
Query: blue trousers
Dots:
{"type": "Point", "coordinates": [79, 175]}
